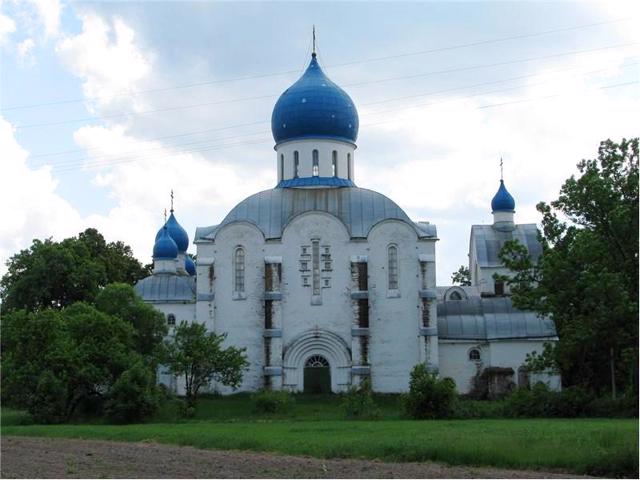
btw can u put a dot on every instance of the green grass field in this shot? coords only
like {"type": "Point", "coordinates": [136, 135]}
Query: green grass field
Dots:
{"type": "Point", "coordinates": [607, 447]}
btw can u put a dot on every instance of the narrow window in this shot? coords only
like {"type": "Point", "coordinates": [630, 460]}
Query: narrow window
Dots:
{"type": "Point", "coordinates": [268, 314]}
{"type": "Point", "coordinates": [363, 313]}
{"type": "Point", "coordinates": [349, 166]}
{"type": "Point", "coordinates": [296, 164]}
{"type": "Point", "coordinates": [392, 252]}
{"type": "Point", "coordinates": [316, 164]}
{"type": "Point", "coordinates": [171, 319]}
{"type": "Point", "coordinates": [315, 254]}
{"type": "Point", "coordinates": [499, 288]}
{"type": "Point", "coordinates": [239, 270]}
{"type": "Point", "coordinates": [334, 163]}
{"type": "Point", "coordinates": [363, 277]}
{"type": "Point", "coordinates": [281, 166]}
{"type": "Point", "coordinates": [426, 317]}
{"type": "Point", "coordinates": [423, 275]}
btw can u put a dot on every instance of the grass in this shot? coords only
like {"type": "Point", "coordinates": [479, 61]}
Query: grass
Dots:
{"type": "Point", "coordinates": [316, 427]}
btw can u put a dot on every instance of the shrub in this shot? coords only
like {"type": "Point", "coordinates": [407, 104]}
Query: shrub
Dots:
{"type": "Point", "coordinates": [134, 396]}
{"type": "Point", "coordinates": [625, 406]}
{"type": "Point", "coordinates": [429, 396]}
{"type": "Point", "coordinates": [358, 402]}
{"type": "Point", "coordinates": [272, 401]}
{"type": "Point", "coordinates": [467, 408]}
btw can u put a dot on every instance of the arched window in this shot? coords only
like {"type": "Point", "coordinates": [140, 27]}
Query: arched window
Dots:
{"type": "Point", "coordinates": [349, 166]}
{"type": "Point", "coordinates": [171, 319]}
{"type": "Point", "coordinates": [238, 267]}
{"type": "Point", "coordinates": [316, 361]}
{"type": "Point", "coordinates": [281, 166]}
{"type": "Point", "coordinates": [474, 355]}
{"type": "Point", "coordinates": [334, 163]}
{"type": "Point", "coordinates": [296, 164]}
{"type": "Point", "coordinates": [392, 253]}
{"type": "Point", "coordinates": [455, 296]}
{"type": "Point", "coordinates": [316, 164]}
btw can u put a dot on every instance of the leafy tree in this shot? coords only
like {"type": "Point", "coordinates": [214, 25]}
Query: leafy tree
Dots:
{"type": "Point", "coordinates": [55, 274]}
{"type": "Point", "coordinates": [199, 357]}
{"type": "Point", "coordinates": [429, 396]}
{"type": "Point", "coordinates": [55, 361]}
{"type": "Point", "coordinates": [134, 396]}
{"type": "Point", "coordinates": [462, 276]}
{"type": "Point", "coordinates": [120, 300]}
{"type": "Point", "coordinates": [587, 276]}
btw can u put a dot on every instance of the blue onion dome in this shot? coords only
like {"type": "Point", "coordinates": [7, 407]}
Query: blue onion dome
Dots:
{"type": "Point", "coordinates": [165, 248]}
{"type": "Point", "coordinates": [176, 232]}
{"type": "Point", "coordinates": [502, 200]}
{"type": "Point", "coordinates": [189, 266]}
{"type": "Point", "coordinates": [314, 107]}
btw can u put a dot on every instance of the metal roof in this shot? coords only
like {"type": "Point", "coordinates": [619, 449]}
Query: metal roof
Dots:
{"type": "Point", "coordinates": [316, 182]}
{"type": "Point", "coordinates": [314, 106]}
{"type": "Point", "coordinates": [359, 210]}
{"type": "Point", "coordinates": [489, 242]}
{"type": "Point", "coordinates": [491, 318]}
{"type": "Point", "coordinates": [164, 287]}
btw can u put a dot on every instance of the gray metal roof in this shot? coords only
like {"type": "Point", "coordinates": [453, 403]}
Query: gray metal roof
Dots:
{"type": "Point", "coordinates": [165, 287]}
{"type": "Point", "coordinates": [490, 318]}
{"type": "Point", "coordinates": [359, 210]}
{"type": "Point", "coordinates": [489, 242]}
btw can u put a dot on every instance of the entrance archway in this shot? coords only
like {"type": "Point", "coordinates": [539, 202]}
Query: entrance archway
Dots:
{"type": "Point", "coordinates": [317, 375]}
{"type": "Point", "coordinates": [317, 343]}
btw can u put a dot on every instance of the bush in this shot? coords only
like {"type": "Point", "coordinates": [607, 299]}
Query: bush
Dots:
{"type": "Point", "coordinates": [134, 396]}
{"type": "Point", "coordinates": [358, 402]}
{"type": "Point", "coordinates": [468, 408]}
{"type": "Point", "coordinates": [625, 406]}
{"type": "Point", "coordinates": [272, 401]}
{"type": "Point", "coordinates": [429, 396]}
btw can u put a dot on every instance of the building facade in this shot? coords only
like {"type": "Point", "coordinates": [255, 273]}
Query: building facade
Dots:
{"type": "Point", "coordinates": [325, 283]}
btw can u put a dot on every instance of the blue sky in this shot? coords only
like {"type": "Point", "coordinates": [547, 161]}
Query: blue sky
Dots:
{"type": "Point", "coordinates": [128, 81]}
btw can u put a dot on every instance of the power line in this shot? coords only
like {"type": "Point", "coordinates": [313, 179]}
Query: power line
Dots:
{"type": "Point", "coordinates": [218, 102]}
{"type": "Point", "coordinates": [99, 164]}
{"type": "Point", "coordinates": [288, 72]}
{"type": "Point", "coordinates": [438, 92]}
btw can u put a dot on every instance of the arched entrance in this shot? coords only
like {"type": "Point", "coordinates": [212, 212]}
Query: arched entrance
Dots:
{"type": "Point", "coordinates": [317, 375]}
{"type": "Point", "coordinates": [327, 351]}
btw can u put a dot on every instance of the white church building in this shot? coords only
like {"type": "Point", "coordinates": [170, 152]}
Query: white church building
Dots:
{"type": "Point", "coordinates": [326, 283]}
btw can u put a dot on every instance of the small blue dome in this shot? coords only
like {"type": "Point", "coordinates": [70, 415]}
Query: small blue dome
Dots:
{"type": "Point", "coordinates": [176, 232]}
{"type": "Point", "coordinates": [502, 200]}
{"type": "Point", "coordinates": [314, 107]}
{"type": "Point", "coordinates": [165, 248]}
{"type": "Point", "coordinates": [189, 266]}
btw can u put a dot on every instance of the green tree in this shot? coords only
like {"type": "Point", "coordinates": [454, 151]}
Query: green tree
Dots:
{"type": "Point", "coordinates": [587, 276]}
{"type": "Point", "coordinates": [55, 361]}
{"type": "Point", "coordinates": [462, 276]}
{"type": "Point", "coordinates": [429, 396]}
{"type": "Point", "coordinates": [120, 300]}
{"type": "Point", "coordinates": [198, 356]}
{"type": "Point", "coordinates": [56, 274]}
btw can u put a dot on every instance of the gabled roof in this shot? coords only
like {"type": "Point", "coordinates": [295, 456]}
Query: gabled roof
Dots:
{"type": "Point", "coordinates": [358, 209]}
{"type": "Point", "coordinates": [489, 242]}
{"type": "Point", "coordinates": [490, 318]}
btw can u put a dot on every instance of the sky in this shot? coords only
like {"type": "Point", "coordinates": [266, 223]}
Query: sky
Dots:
{"type": "Point", "coordinates": [105, 107]}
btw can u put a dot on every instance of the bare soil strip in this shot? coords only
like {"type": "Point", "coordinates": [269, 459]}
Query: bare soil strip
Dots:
{"type": "Point", "coordinates": [26, 457]}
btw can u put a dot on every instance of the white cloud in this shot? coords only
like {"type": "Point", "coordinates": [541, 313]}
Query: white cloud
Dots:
{"type": "Point", "coordinates": [31, 208]}
{"type": "Point", "coordinates": [25, 51]}
{"type": "Point", "coordinates": [106, 57]}
{"type": "Point", "coordinates": [48, 12]}
{"type": "Point", "coordinates": [140, 185]}
{"type": "Point", "coordinates": [7, 27]}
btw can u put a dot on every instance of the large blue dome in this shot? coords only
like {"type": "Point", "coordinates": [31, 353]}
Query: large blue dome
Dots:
{"type": "Point", "coordinates": [164, 248]}
{"type": "Point", "coordinates": [176, 232]}
{"type": "Point", "coordinates": [502, 200]}
{"type": "Point", "coordinates": [314, 107]}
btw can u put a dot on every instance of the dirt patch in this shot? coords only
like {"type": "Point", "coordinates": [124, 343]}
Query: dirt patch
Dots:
{"type": "Point", "coordinates": [25, 457]}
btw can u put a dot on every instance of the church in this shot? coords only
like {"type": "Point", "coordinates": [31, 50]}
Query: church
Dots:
{"type": "Point", "coordinates": [326, 283]}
